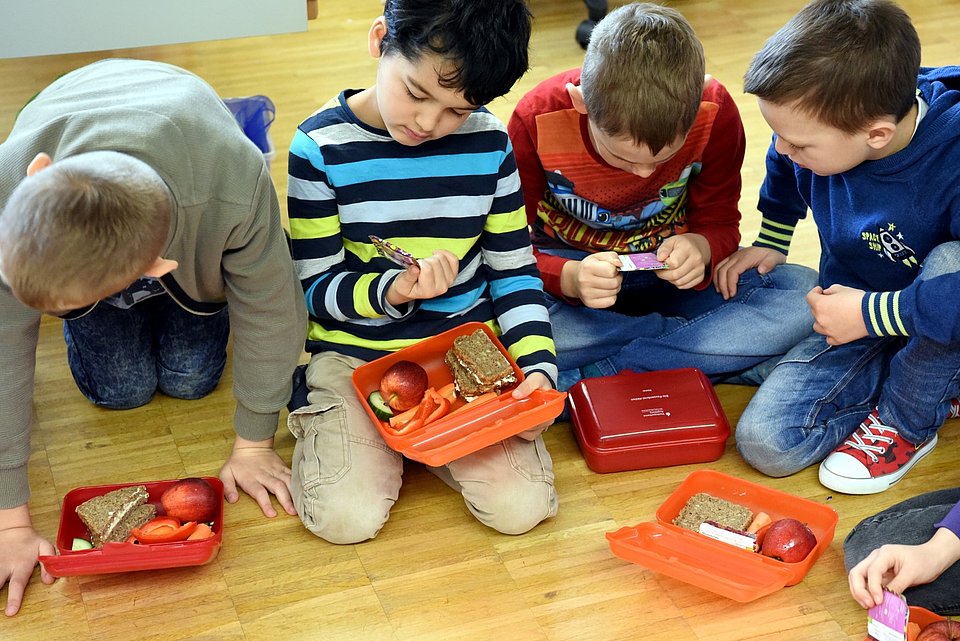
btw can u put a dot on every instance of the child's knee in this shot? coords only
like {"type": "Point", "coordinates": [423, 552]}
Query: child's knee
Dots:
{"type": "Point", "coordinates": [942, 259]}
{"type": "Point", "coordinates": [520, 511]}
{"type": "Point", "coordinates": [798, 277]}
{"type": "Point", "coordinates": [763, 449]}
{"type": "Point", "coordinates": [188, 387]}
{"type": "Point", "coordinates": [126, 397]}
{"type": "Point", "coordinates": [341, 522]}
{"type": "Point", "coordinates": [343, 484]}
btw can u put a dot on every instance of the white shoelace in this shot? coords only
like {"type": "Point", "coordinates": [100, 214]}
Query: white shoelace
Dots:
{"type": "Point", "coordinates": [873, 430]}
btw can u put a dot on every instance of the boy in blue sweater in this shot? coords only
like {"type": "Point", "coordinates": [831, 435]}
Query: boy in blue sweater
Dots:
{"type": "Point", "coordinates": [415, 159]}
{"type": "Point", "coordinates": [868, 141]}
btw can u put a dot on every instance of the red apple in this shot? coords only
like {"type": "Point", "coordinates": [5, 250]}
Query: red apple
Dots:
{"type": "Point", "coordinates": [190, 499]}
{"type": "Point", "coordinates": [403, 384]}
{"type": "Point", "coordinates": [940, 631]}
{"type": "Point", "coordinates": [788, 540]}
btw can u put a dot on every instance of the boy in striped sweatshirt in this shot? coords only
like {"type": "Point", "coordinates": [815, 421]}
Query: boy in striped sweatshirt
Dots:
{"type": "Point", "coordinates": [417, 160]}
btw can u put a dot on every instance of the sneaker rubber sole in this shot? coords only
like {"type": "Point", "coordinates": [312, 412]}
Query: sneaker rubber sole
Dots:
{"type": "Point", "coordinates": [847, 485]}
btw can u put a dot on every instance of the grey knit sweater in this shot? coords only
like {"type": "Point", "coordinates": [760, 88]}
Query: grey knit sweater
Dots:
{"type": "Point", "coordinates": [226, 234]}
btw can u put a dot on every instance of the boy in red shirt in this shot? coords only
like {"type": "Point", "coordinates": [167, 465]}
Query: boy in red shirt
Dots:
{"type": "Point", "coordinates": [639, 152]}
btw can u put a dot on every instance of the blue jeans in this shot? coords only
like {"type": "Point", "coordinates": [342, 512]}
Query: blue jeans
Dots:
{"type": "Point", "coordinates": [819, 394]}
{"type": "Point", "coordinates": [657, 326]}
{"type": "Point", "coordinates": [910, 523]}
{"type": "Point", "coordinates": [119, 358]}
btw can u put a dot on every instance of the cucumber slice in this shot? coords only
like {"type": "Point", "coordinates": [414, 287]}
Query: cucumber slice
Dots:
{"type": "Point", "coordinates": [81, 544]}
{"type": "Point", "coordinates": [383, 411]}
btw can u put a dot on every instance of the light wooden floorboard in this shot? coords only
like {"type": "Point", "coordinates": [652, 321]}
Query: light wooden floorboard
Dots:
{"type": "Point", "coordinates": [434, 573]}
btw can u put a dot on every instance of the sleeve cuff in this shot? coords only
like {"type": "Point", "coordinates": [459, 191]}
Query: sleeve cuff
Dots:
{"type": "Point", "coordinates": [881, 314]}
{"type": "Point", "coordinates": [14, 488]}
{"type": "Point", "coordinates": [550, 371]}
{"type": "Point", "coordinates": [775, 235]}
{"type": "Point", "coordinates": [951, 521]}
{"type": "Point", "coordinates": [254, 426]}
{"type": "Point", "coordinates": [389, 310]}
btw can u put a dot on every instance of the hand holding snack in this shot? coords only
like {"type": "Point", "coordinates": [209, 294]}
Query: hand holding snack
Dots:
{"type": "Point", "coordinates": [595, 280]}
{"type": "Point", "coordinates": [688, 257]}
{"type": "Point", "coordinates": [429, 278]}
{"type": "Point", "coordinates": [898, 567]}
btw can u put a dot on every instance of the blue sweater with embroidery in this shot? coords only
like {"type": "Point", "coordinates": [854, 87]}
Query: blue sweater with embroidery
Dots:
{"type": "Point", "coordinates": [878, 221]}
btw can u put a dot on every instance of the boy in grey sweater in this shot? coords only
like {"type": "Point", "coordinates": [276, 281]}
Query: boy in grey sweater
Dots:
{"type": "Point", "coordinates": [134, 207]}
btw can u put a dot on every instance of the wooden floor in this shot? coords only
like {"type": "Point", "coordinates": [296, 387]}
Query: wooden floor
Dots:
{"type": "Point", "coordinates": [434, 573]}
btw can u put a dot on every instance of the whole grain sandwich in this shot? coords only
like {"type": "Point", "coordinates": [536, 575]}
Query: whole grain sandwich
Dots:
{"type": "Point", "coordinates": [478, 366]}
{"type": "Point", "coordinates": [112, 516]}
{"type": "Point", "coordinates": [704, 507]}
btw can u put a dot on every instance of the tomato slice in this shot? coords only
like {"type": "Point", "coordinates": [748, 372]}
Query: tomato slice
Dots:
{"type": "Point", "coordinates": [163, 529]}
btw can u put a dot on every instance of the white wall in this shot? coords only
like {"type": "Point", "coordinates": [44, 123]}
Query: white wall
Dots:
{"type": "Point", "coordinates": [40, 27]}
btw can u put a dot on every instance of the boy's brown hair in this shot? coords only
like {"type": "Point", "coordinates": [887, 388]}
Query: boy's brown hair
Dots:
{"type": "Point", "coordinates": [86, 225]}
{"type": "Point", "coordinates": [643, 75]}
{"type": "Point", "coordinates": [845, 62]}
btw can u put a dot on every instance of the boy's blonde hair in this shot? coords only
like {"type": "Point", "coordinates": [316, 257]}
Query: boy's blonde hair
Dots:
{"type": "Point", "coordinates": [87, 225]}
{"type": "Point", "coordinates": [643, 75]}
{"type": "Point", "coordinates": [845, 62]}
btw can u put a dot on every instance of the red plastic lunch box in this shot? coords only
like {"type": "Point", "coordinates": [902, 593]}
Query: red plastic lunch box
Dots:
{"type": "Point", "coordinates": [467, 431]}
{"type": "Point", "coordinates": [127, 557]}
{"type": "Point", "coordinates": [632, 421]}
{"type": "Point", "coordinates": [715, 566]}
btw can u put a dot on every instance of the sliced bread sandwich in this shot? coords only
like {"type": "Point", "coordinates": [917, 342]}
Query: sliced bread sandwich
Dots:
{"type": "Point", "coordinates": [112, 516]}
{"type": "Point", "coordinates": [478, 366]}
{"type": "Point", "coordinates": [703, 507]}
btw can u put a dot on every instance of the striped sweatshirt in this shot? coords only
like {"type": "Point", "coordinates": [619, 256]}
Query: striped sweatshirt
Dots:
{"type": "Point", "coordinates": [349, 181]}
{"type": "Point", "coordinates": [879, 220]}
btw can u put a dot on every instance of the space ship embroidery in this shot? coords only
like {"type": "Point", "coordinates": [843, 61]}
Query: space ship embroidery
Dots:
{"type": "Point", "coordinates": [888, 242]}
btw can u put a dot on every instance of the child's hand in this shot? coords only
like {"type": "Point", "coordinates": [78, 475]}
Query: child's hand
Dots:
{"type": "Point", "coordinates": [595, 280]}
{"type": "Point", "coordinates": [836, 313]}
{"type": "Point", "coordinates": [431, 279]}
{"type": "Point", "coordinates": [535, 381]}
{"type": "Point", "coordinates": [256, 468]}
{"type": "Point", "coordinates": [20, 545]}
{"type": "Point", "coordinates": [898, 567]}
{"type": "Point", "coordinates": [727, 273]}
{"type": "Point", "coordinates": [687, 256]}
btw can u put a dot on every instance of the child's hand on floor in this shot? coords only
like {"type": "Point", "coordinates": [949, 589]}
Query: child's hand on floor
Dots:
{"type": "Point", "coordinates": [432, 278]}
{"type": "Point", "coordinates": [595, 280]}
{"type": "Point", "coordinates": [687, 256]}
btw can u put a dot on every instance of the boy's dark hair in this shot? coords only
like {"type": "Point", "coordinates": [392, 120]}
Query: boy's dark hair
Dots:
{"type": "Point", "coordinates": [642, 75]}
{"type": "Point", "coordinates": [485, 40]}
{"type": "Point", "coordinates": [845, 62]}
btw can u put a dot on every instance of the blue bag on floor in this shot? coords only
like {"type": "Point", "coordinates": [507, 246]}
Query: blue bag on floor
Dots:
{"type": "Point", "coordinates": [255, 115]}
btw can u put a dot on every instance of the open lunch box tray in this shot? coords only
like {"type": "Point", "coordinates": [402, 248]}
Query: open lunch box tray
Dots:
{"type": "Point", "coordinates": [127, 557]}
{"type": "Point", "coordinates": [455, 435]}
{"type": "Point", "coordinates": [715, 566]}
